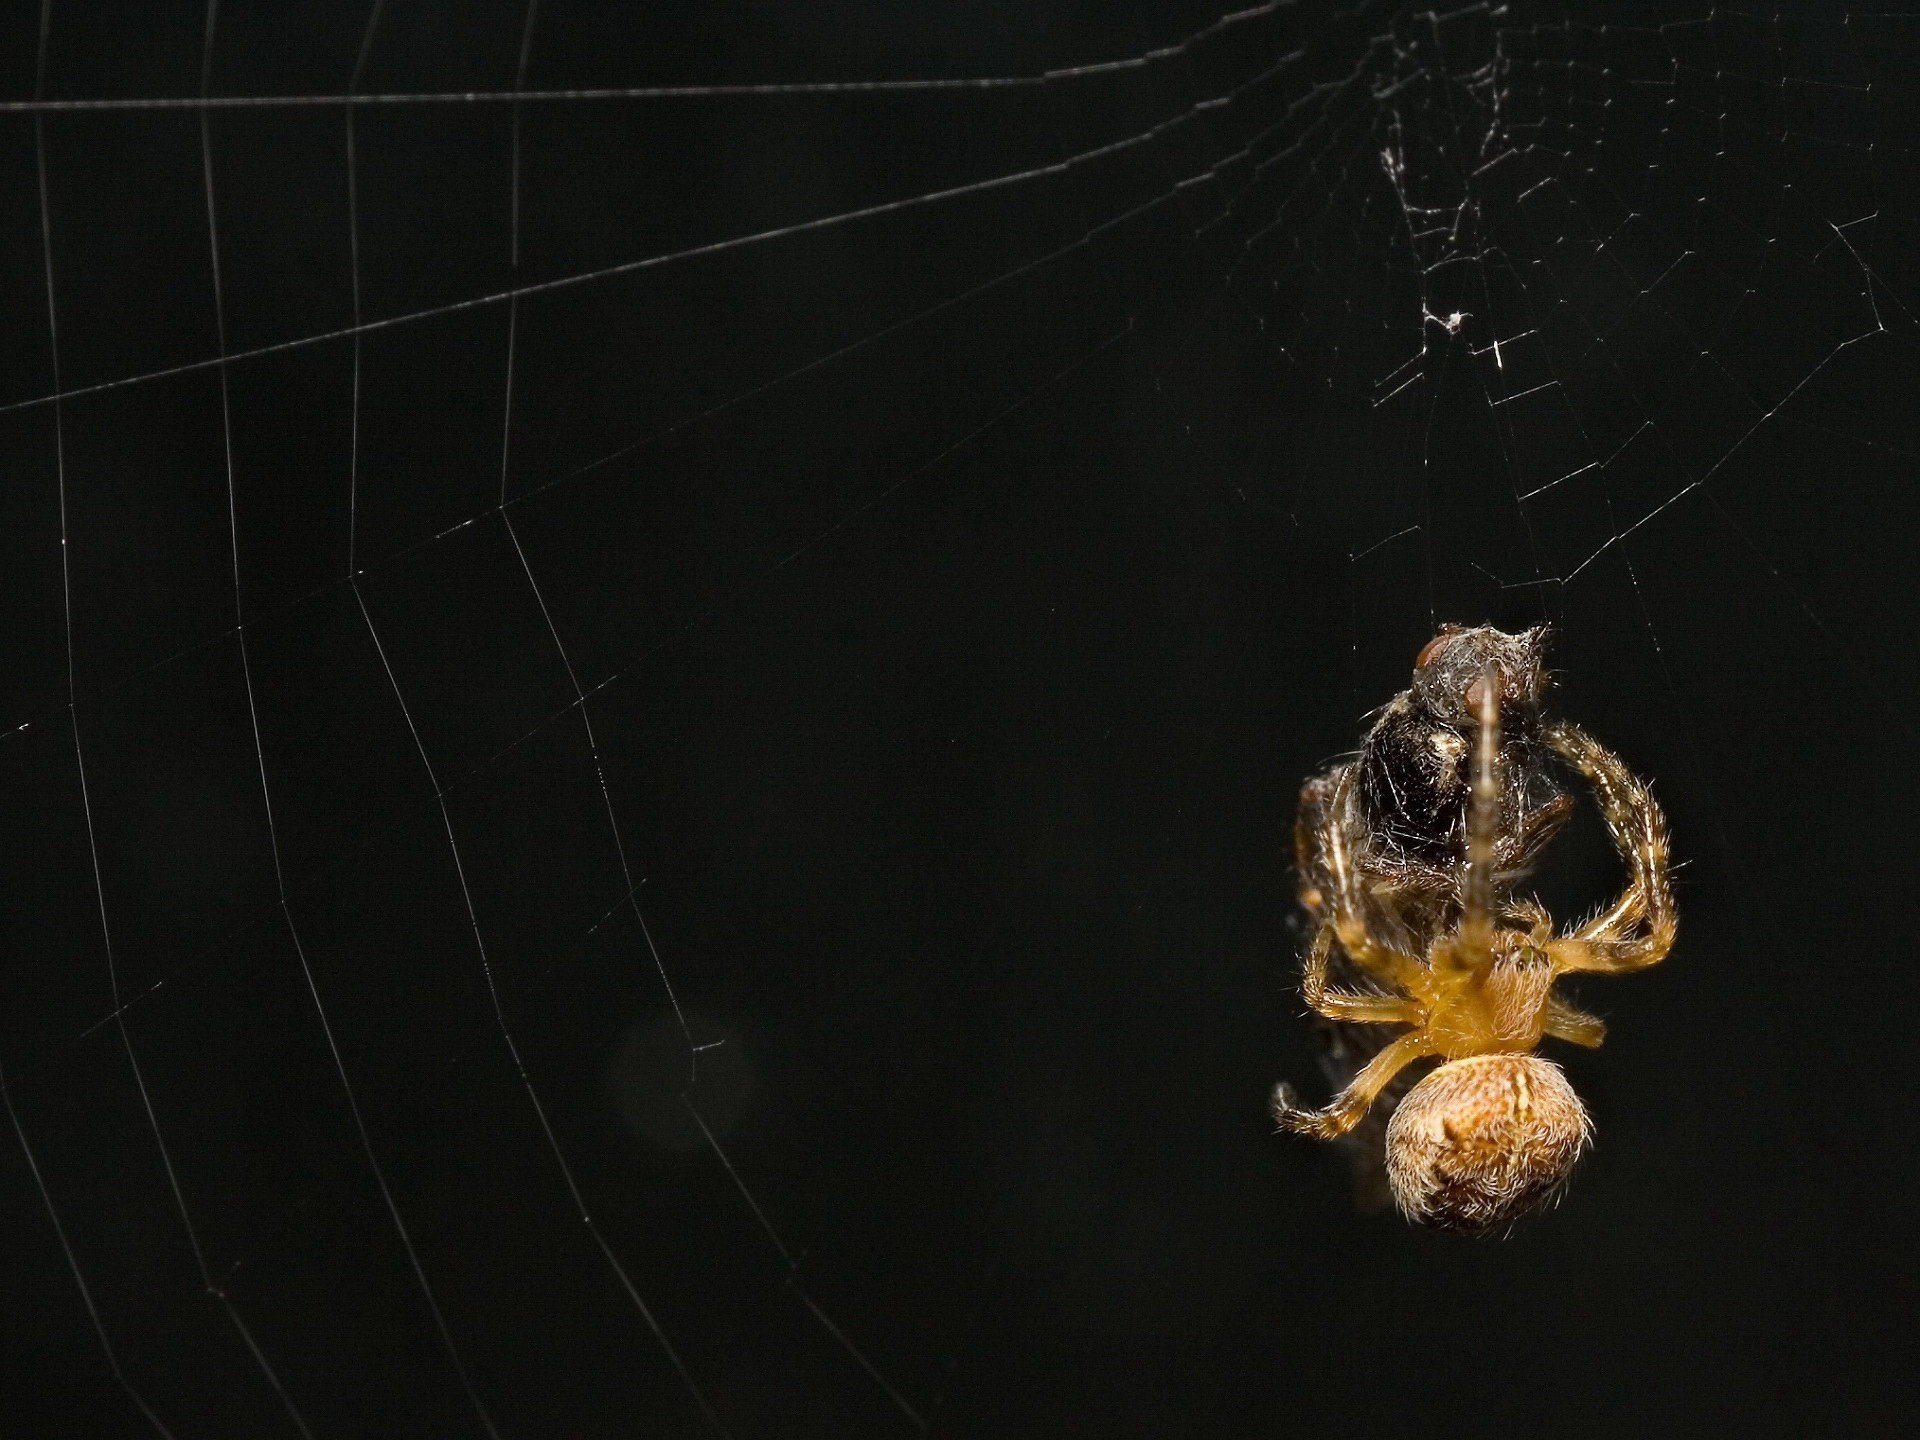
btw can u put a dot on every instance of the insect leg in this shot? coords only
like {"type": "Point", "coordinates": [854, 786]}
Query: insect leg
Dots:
{"type": "Point", "coordinates": [1537, 829]}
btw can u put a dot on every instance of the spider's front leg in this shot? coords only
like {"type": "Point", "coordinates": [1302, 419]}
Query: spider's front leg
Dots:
{"type": "Point", "coordinates": [1639, 830]}
{"type": "Point", "coordinates": [1474, 947]}
{"type": "Point", "coordinates": [1309, 837]}
{"type": "Point", "coordinates": [1351, 1104]}
{"type": "Point", "coordinates": [1347, 908]}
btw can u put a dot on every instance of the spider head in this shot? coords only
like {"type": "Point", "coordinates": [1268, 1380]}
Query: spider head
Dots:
{"type": "Point", "coordinates": [1449, 671]}
{"type": "Point", "coordinates": [1481, 1141]}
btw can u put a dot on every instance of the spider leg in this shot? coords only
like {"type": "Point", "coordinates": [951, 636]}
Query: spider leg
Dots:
{"type": "Point", "coordinates": [1617, 920]}
{"type": "Point", "coordinates": [1347, 905]}
{"type": "Point", "coordinates": [1568, 1022]}
{"type": "Point", "coordinates": [1308, 828]}
{"type": "Point", "coordinates": [1351, 1104]}
{"type": "Point", "coordinates": [1609, 942]}
{"type": "Point", "coordinates": [1474, 946]}
{"type": "Point", "coordinates": [1345, 1004]}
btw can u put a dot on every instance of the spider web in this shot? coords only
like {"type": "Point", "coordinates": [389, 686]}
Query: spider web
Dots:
{"type": "Point", "coordinates": [656, 659]}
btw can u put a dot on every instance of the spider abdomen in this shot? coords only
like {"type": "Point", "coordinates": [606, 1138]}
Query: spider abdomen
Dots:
{"type": "Point", "coordinates": [1481, 1141]}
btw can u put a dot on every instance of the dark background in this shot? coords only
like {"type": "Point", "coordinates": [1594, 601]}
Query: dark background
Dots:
{"type": "Point", "coordinates": [959, 596]}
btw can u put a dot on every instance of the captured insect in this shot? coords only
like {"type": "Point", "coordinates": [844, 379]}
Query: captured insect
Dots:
{"type": "Point", "coordinates": [1409, 855]}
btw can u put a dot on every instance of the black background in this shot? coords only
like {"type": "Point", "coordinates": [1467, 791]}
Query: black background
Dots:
{"type": "Point", "coordinates": [968, 591]}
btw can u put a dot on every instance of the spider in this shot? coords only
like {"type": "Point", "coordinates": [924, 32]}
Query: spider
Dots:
{"type": "Point", "coordinates": [1444, 950]}
{"type": "Point", "coordinates": [1405, 814]}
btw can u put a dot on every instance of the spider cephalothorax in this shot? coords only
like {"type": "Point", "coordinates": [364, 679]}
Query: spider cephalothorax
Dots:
{"type": "Point", "coordinates": [1437, 944]}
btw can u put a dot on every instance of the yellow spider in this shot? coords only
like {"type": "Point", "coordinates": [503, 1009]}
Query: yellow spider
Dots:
{"type": "Point", "coordinates": [1495, 1129]}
